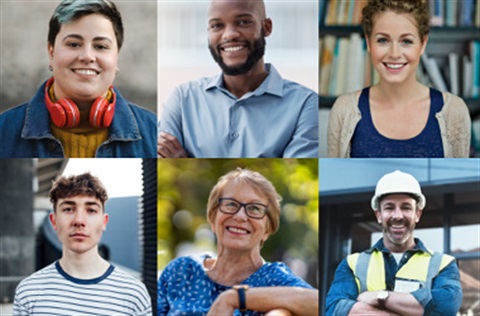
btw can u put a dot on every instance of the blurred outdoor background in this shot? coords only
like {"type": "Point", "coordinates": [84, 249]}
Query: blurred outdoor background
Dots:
{"type": "Point", "coordinates": [183, 189]}
{"type": "Point", "coordinates": [24, 61]}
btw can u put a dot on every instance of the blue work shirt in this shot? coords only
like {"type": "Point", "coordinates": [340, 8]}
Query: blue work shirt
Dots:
{"type": "Point", "coordinates": [278, 119]}
{"type": "Point", "coordinates": [25, 131]}
{"type": "Point", "coordinates": [444, 298]}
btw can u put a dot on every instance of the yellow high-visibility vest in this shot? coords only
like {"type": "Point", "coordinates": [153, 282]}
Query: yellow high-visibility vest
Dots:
{"type": "Point", "coordinates": [422, 267]}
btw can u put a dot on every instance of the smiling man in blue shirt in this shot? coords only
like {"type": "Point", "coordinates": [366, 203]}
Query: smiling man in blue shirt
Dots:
{"type": "Point", "coordinates": [247, 111]}
{"type": "Point", "coordinates": [398, 275]}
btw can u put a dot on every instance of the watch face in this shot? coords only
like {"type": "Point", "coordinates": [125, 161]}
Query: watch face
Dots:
{"type": "Point", "coordinates": [382, 295]}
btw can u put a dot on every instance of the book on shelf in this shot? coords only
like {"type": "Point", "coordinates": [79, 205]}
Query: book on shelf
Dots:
{"type": "Point", "coordinates": [451, 13]}
{"type": "Point", "coordinates": [326, 63]}
{"type": "Point", "coordinates": [467, 76]}
{"type": "Point", "coordinates": [475, 58]}
{"type": "Point", "coordinates": [433, 72]}
{"type": "Point", "coordinates": [454, 73]}
{"type": "Point", "coordinates": [437, 12]}
{"type": "Point", "coordinates": [343, 12]}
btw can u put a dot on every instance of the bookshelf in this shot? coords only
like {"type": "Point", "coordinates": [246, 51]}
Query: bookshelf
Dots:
{"type": "Point", "coordinates": [443, 40]}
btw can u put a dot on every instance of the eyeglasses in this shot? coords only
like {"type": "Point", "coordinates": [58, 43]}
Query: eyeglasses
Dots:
{"type": "Point", "coordinates": [232, 206]}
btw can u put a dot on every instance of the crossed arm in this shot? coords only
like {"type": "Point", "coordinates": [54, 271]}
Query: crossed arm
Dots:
{"type": "Point", "coordinates": [275, 300]}
{"type": "Point", "coordinates": [444, 298]}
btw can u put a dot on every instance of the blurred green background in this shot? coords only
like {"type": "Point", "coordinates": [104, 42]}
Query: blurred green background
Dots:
{"type": "Point", "coordinates": [183, 189]}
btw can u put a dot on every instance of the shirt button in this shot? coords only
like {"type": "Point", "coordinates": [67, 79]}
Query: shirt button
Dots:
{"type": "Point", "coordinates": [234, 135]}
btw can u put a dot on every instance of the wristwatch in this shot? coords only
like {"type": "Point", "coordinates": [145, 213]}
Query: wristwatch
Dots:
{"type": "Point", "coordinates": [382, 297]}
{"type": "Point", "coordinates": [242, 300]}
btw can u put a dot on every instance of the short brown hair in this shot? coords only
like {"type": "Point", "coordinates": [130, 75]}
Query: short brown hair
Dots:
{"type": "Point", "coordinates": [417, 8]}
{"type": "Point", "coordinates": [82, 184]}
{"type": "Point", "coordinates": [257, 182]}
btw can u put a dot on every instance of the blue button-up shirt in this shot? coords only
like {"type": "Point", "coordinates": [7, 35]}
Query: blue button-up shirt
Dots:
{"type": "Point", "coordinates": [278, 119]}
{"type": "Point", "coordinates": [444, 298]}
{"type": "Point", "coordinates": [25, 131]}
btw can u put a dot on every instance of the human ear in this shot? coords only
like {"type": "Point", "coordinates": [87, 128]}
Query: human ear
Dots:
{"type": "Point", "coordinates": [367, 39]}
{"type": "Point", "coordinates": [267, 26]}
{"type": "Point", "coordinates": [424, 44]}
{"type": "Point", "coordinates": [105, 221]}
{"type": "Point", "coordinates": [53, 220]}
{"type": "Point", "coordinates": [377, 215]}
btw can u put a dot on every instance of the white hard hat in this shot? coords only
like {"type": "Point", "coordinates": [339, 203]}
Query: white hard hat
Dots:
{"type": "Point", "coordinates": [398, 182]}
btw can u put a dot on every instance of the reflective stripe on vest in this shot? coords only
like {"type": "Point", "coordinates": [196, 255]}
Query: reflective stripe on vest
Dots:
{"type": "Point", "coordinates": [369, 269]}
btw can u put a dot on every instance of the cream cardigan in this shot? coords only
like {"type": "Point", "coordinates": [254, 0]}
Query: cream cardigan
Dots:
{"type": "Point", "coordinates": [453, 119]}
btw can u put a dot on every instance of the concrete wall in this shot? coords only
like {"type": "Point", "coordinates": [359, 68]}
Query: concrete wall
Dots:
{"type": "Point", "coordinates": [16, 224]}
{"type": "Point", "coordinates": [24, 58]}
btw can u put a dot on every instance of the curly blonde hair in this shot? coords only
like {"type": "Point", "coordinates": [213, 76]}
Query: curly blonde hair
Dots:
{"type": "Point", "coordinates": [417, 8]}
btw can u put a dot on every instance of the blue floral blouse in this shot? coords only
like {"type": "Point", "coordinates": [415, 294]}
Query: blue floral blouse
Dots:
{"type": "Point", "coordinates": [184, 287]}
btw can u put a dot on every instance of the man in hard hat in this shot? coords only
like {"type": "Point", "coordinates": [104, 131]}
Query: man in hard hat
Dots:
{"type": "Point", "coordinates": [398, 275]}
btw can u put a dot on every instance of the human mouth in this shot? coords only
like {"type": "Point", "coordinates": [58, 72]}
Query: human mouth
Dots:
{"type": "Point", "coordinates": [237, 230]}
{"type": "Point", "coordinates": [86, 72]}
{"type": "Point", "coordinates": [395, 66]}
{"type": "Point", "coordinates": [78, 235]}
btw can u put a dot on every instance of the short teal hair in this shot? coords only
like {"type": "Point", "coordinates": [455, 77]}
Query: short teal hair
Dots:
{"type": "Point", "coordinates": [71, 10]}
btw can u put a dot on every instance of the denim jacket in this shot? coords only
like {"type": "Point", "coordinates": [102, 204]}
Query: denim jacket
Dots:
{"type": "Point", "coordinates": [444, 298]}
{"type": "Point", "coordinates": [25, 131]}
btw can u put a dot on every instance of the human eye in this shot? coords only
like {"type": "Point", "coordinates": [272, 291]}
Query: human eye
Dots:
{"type": "Point", "coordinates": [67, 209]}
{"type": "Point", "coordinates": [256, 209]}
{"type": "Point", "coordinates": [382, 40]}
{"type": "Point", "coordinates": [73, 44]}
{"type": "Point", "coordinates": [215, 26]}
{"type": "Point", "coordinates": [245, 22]}
{"type": "Point", "coordinates": [407, 42]}
{"type": "Point", "coordinates": [101, 46]}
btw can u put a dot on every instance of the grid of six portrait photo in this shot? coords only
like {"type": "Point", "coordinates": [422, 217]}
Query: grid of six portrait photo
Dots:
{"type": "Point", "coordinates": [240, 157]}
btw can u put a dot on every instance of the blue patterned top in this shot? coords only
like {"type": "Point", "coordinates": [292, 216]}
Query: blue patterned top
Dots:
{"type": "Point", "coordinates": [367, 142]}
{"type": "Point", "coordinates": [184, 287]}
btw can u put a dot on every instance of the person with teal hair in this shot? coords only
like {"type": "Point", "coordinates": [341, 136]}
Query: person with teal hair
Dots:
{"type": "Point", "coordinates": [77, 112]}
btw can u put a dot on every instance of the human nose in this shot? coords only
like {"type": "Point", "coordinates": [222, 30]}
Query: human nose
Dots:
{"type": "Point", "coordinates": [230, 32]}
{"type": "Point", "coordinates": [79, 218]}
{"type": "Point", "coordinates": [241, 213]}
{"type": "Point", "coordinates": [87, 55]}
{"type": "Point", "coordinates": [394, 50]}
{"type": "Point", "coordinates": [397, 213]}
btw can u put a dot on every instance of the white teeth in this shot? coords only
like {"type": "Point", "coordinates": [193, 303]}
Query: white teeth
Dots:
{"type": "Point", "coordinates": [395, 66]}
{"type": "Point", "coordinates": [233, 48]}
{"type": "Point", "coordinates": [86, 72]}
{"type": "Point", "coordinates": [237, 230]}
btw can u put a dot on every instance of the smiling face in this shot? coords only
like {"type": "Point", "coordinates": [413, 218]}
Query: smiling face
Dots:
{"type": "Point", "coordinates": [238, 231]}
{"type": "Point", "coordinates": [398, 216]}
{"type": "Point", "coordinates": [236, 34]}
{"type": "Point", "coordinates": [79, 222]}
{"type": "Point", "coordinates": [395, 46]}
{"type": "Point", "coordinates": [84, 58]}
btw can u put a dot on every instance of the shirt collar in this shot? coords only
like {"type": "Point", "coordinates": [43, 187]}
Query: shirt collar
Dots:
{"type": "Point", "coordinates": [380, 246]}
{"type": "Point", "coordinates": [273, 83]}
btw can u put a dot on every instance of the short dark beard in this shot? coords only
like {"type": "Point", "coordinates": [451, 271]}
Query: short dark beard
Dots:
{"type": "Point", "coordinates": [257, 50]}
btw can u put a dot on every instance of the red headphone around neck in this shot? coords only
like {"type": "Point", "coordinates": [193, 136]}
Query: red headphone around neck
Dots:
{"type": "Point", "coordinates": [64, 113]}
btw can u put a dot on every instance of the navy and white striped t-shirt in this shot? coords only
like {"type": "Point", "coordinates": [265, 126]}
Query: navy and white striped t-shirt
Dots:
{"type": "Point", "coordinates": [51, 291]}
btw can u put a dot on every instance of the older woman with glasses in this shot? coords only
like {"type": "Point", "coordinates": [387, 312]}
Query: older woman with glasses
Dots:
{"type": "Point", "coordinates": [243, 211]}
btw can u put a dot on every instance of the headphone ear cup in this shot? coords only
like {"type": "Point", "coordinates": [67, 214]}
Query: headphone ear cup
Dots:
{"type": "Point", "coordinates": [97, 112]}
{"type": "Point", "coordinates": [72, 114]}
{"type": "Point", "coordinates": [101, 112]}
{"type": "Point", "coordinates": [108, 116]}
{"type": "Point", "coordinates": [57, 115]}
